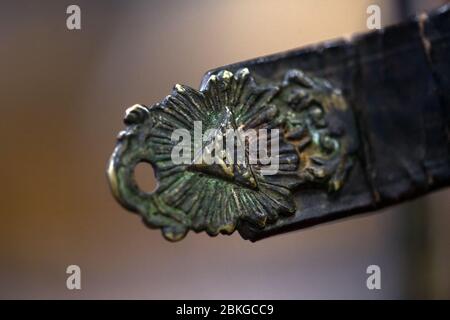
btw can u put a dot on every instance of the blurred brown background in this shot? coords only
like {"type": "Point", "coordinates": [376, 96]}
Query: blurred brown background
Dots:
{"type": "Point", "coordinates": [62, 97]}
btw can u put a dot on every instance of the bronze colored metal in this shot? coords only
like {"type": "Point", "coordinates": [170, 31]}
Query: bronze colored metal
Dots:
{"type": "Point", "coordinates": [218, 198]}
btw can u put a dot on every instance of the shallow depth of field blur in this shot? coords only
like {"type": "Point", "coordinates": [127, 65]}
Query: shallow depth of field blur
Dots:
{"type": "Point", "coordinates": [62, 98]}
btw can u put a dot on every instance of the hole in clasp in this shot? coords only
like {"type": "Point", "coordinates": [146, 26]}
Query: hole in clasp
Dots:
{"type": "Point", "coordinates": [145, 177]}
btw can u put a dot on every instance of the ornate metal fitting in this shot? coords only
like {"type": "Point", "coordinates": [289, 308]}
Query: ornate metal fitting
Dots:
{"type": "Point", "coordinates": [220, 198]}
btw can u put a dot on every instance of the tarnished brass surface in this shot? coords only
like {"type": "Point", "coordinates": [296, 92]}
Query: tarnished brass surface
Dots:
{"type": "Point", "coordinates": [315, 152]}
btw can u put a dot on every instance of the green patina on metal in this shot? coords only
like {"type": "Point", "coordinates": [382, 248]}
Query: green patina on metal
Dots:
{"type": "Point", "coordinates": [219, 198]}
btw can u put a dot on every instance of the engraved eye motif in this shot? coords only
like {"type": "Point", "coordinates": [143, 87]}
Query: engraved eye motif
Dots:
{"type": "Point", "coordinates": [218, 196]}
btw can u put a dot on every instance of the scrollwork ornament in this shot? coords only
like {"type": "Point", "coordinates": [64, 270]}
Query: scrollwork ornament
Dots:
{"type": "Point", "coordinates": [218, 198]}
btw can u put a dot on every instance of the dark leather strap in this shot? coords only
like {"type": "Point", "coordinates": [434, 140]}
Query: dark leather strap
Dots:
{"type": "Point", "coordinates": [397, 82]}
